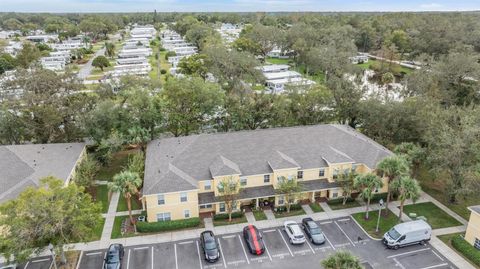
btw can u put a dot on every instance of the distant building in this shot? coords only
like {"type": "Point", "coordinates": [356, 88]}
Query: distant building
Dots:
{"type": "Point", "coordinates": [473, 229]}
{"type": "Point", "coordinates": [42, 38]}
{"type": "Point", "coordinates": [278, 76]}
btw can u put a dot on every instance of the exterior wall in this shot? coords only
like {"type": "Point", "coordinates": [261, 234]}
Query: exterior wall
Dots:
{"type": "Point", "coordinates": [339, 167]}
{"type": "Point", "coordinates": [312, 174]}
{"type": "Point", "coordinates": [74, 169]}
{"type": "Point", "coordinates": [473, 228]}
{"type": "Point", "coordinates": [172, 205]}
{"type": "Point", "coordinates": [217, 180]}
{"type": "Point", "coordinates": [201, 186]}
{"type": "Point", "coordinates": [285, 173]}
{"type": "Point", "coordinates": [257, 181]}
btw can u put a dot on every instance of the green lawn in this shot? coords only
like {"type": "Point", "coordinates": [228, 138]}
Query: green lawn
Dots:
{"type": "Point", "coordinates": [119, 161]}
{"type": "Point", "coordinates": [436, 188]}
{"type": "Point", "coordinates": [224, 222]}
{"type": "Point", "coordinates": [372, 61]}
{"type": "Point", "coordinates": [102, 196]}
{"type": "Point", "coordinates": [285, 214]}
{"type": "Point", "coordinates": [386, 222]}
{"type": "Point", "coordinates": [277, 61]}
{"type": "Point", "coordinates": [447, 239]}
{"type": "Point", "coordinates": [436, 217]}
{"type": "Point", "coordinates": [122, 204]}
{"type": "Point", "coordinates": [316, 207]}
{"type": "Point", "coordinates": [98, 230]}
{"type": "Point", "coordinates": [338, 204]}
{"type": "Point", "coordinates": [117, 227]}
{"type": "Point", "coordinates": [259, 215]}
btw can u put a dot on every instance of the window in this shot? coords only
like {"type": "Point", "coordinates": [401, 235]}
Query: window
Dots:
{"type": "Point", "coordinates": [266, 178]}
{"type": "Point", "coordinates": [300, 174]}
{"type": "Point", "coordinates": [183, 197]}
{"type": "Point", "coordinates": [477, 243]}
{"type": "Point", "coordinates": [161, 199]}
{"type": "Point", "coordinates": [354, 168]}
{"type": "Point", "coordinates": [321, 173]}
{"type": "Point", "coordinates": [335, 174]}
{"type": "Point", "coordinates": [290, 178]}
{"type": "Point", "coordinates": [280, 179]}
{"type": "Point", "coordinates": [243, 181]}
{"type": "Point", "coordinates": [205, 206]}
{"type": "Point", "coordinates": [163, 216]}
{"type": "Point", "coordinates": [281, 200]}
{"type": "Point", "coordinates": [335, 195]}
{"type": "Point", "coordinates": [207, 185]}
{"type": "Point", "coordinates": [346, 171]}
{"type": "Point", "coordinates": [222, 207]}
{"type": "Point", "coordinates": [186, 213]}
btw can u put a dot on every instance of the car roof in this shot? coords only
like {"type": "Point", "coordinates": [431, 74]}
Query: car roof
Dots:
{"type": "Point", "coordinates": [207, 234]}
{"type": "Point", "coordinates": [312, 224]}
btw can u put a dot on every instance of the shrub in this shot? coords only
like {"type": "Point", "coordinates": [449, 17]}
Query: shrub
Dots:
{"type": "Point", "coordinates": [163, 226]}
{"type": "Point", "coordinates": [338, 201]}
{"type": "Point", "coordinates": [466, 249]}
{"type": "Point", "coordinates": [376, 198]}
{"type": "Point", "coordinates": [163, 71]}
{"type": "Point", "coordinates": [293, 207]}
{"type": "Point", "coordinates": [169, 54]}
{"type": "Point", "coordinates": [237, 214]}
{"type": "Point", "coordinates": [162, 49]}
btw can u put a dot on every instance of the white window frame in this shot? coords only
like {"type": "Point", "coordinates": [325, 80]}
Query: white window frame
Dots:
{"type": "Point", "coordinates": [281, 200]}
{"type": "Point", "coordinates": [160, 199]}
{"type": "Point", "coordinates": [300, 173]}
{"type": "Point", "coordinates": [335, 195]}
{"type": "Point", "coordinates": [266, 178]}
{"type": "Point", "coordinates": [243, 181]}
{"type": "Point", "coordinates": [321, 172]}
{"type": "Point", "coordinates": [186, 213]}
{"type": "Point", "coordinates": [207, 185]}
{"type": "Point", "coordinates": [164, 216]}
{"type": "Point", "coordinates": [220, 208]}
{"type": "Point", "coordinates": [183, 195]}
{"type": "Point", "coordinates": [476, 243]}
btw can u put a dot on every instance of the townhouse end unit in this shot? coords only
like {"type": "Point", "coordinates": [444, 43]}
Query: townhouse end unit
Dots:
{"type": "Point", "coordinates": [472, 234]}
{"type": "Point", "coordinates": [183, 174]}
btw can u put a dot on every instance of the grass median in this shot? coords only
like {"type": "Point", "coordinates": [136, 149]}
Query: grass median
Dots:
{"type": "Point", "coordinates": [386, 222]}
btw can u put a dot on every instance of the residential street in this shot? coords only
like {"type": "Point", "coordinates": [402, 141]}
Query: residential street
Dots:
{"type": "Point", "coordinates": [85, 71]}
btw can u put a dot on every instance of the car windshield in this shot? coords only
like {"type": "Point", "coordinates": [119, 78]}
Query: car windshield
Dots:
{"type": "Point", "coordinates": [316, 231]}
{"type": "Point", "coordinates": [210, 244]}
{"type": "Point", "coordinates": [393, 234]}
{"type": "Point", "coordinates": [112, 258]}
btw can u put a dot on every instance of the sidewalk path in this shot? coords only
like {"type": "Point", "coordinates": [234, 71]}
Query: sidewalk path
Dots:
{"type": "Point", "coordinates": [110, 218]}
{"type": "Point", "coordinates": [85, 71]}
{"type": "Point", "coordinates": [307, 209]}
{"type": "Point", "coordinates": [250, 217]}
{"type": "Point", "coordinates": [325, 207]}
{"type": "Point", "coordinates": [208, 222]}
{"type": "Point", "coordinates": [269, 214]}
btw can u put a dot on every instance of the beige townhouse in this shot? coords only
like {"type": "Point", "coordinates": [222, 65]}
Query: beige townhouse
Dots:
{"type": "Point", "coordinates": [472, 234]}
{"type": "Point", "coordinates": [182, 174]}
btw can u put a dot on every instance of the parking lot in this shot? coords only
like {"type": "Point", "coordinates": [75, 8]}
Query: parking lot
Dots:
{"type": "Point", "coordinates": [341, 234]}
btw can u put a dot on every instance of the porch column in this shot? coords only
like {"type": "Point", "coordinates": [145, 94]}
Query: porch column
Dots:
{"type": "Point", "coordinates": [256, 203]}
{"type": "Point", "coordinates": [313, 197]}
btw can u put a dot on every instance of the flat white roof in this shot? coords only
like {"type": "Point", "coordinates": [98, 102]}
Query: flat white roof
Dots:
{"type": "Point", "coordinates": [280, 75]}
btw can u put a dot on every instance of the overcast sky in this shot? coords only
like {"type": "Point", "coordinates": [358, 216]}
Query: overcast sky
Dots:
{"type": "Point", "coordinates": [235, 5]}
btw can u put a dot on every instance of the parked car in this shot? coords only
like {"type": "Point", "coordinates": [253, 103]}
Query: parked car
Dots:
{"type": "Point", "coordinates": [408, 233]}
{"type": "Point", "coordinates": [313, 231]}
{"type": "Point", "coordinates": [209, 246]}
{"type": "Point", "coordinates": [114, 257]}
{"type": "Point", "coordinates": [254, 240]}
{"type": "Point", "coordinates": [9, 266]}
{"type": "Point", "coordinates": [294, 232]}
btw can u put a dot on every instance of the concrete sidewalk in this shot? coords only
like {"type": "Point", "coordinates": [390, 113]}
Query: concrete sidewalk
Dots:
{"type": "Point", "coordinates": [110, 217]}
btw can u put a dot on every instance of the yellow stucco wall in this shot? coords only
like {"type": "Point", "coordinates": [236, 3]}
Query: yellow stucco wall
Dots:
{"type": "Point", "coordinates": [172, 205]}
{"type": "Point", "coordinates": [473, 228]}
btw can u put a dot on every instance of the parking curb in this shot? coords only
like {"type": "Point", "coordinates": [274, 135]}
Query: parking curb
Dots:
{"type": "Point", "coordinates": [372, 238]}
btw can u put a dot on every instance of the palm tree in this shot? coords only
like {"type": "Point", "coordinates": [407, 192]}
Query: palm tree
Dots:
{"type": "Point", "coordinates": [407, 188]}
{"type": "Point", "coordinates": [392, 167]}
{"type": "Point", "coordinates": [110, 49]}
{"type": "Point", "coordinates": [367, 184]}
{"type": "Point", "coordinates": [126, 183]}
{"type": "Point", "coordinates": [342, 260]}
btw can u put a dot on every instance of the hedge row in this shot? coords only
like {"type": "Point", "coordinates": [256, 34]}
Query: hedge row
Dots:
{"type": "Point", "coordinates": [237, 214]}
{"type": "Point", "coordinates": [293, 207]}
{"type": "Point", "coordinates": [338, 201]}
{"type": "Point", "coordinates": [462, 246]}
{"type": "Point", "coordinates": [163, 226]}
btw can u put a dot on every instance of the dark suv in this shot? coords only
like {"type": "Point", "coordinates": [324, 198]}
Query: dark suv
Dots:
{"type": "Point", "coordinates": [209, 246]}
{"type": "Point", "coordinates": [114, 257]}
{"type": "Point", "coordinates": [313, 231]}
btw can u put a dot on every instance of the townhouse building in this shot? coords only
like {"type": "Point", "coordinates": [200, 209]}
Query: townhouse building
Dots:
{"type": "Point", "coordinates": [472, 234]}
{"type": "Point", "coordinates": [183, 174]}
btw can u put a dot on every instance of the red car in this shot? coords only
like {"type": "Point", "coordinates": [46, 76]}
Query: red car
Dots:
{"type": "Point", "coordinates": [254, 240]}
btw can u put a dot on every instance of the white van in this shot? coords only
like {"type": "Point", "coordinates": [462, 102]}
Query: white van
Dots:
{"type": "Point", "coordinates": [408, 233]}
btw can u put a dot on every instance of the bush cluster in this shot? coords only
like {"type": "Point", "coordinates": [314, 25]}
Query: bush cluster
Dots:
{"type": "Point", "coordinates": [338, 201]}
{"type": "Point", "coordinates": [163, 226]}
{"type": "Point", "coordinates": [237, 214]}
{"type": "Point", "coordinates": [466, 249]}
{"type": "Point", "coordinates": [293, 207]}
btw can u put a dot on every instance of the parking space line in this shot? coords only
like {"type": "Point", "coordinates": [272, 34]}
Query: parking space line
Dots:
{"type": "Point", "coordinates": [128, 258]}
{"type": "Point", "coordinates": [221, 253]}
{"type": "Point", "coordinates": [140, 248]}
{"type": "Point", "coordinates": [199, 257]}
{"type": "Point", "coordinates": [41, 260]}
{"type": "Point", "coordinates": [152, 257]}
{"type": "Point", "coordinates": [397, 263]}
{"type": "Point", "coordinates": [343, 219]}
{"type": "Point", "coordinates": [329, 241]}
{"type": "Point", "coordinates": [176, 259]}
{"type": "Point", "coordinates": [326, 222]}
{"type": "Point", "coordinates": [26, 265]}
{"type": "Point", "coordinates": [438, 255]}
{"type": "Point", "coordinates": [244, 251]}
{"type": "Point", "coordinates": [406, 253]}
{"type": "Point", "coordinates": [93, 253]}
{"type": "Point", "coordinates": [435, 266]}
{"type": "Point", "coordinates": [344, 233]}
{"type": "Point", "coordinates": [79, 260]}
{"type": "Point", "coordinates": [104, 257]}
{"type": "Point", "coordinates": [186, 242]}
{"type": "Point", "coordinates": [229, 236]}
{"type": "Point", "coordinates": [269, 231]}
{"type": "Point", "coordinates": [310, 246]}
{"type": "Point", "coordinates": [266, 249]}
{"type": "Point", "coordinates": [281, 235]}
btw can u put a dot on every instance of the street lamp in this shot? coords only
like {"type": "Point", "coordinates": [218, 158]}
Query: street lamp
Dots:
{"type": "Point", "coordinates": [379, 213]}
{"type": "Point", "coordinates": [50, 247]}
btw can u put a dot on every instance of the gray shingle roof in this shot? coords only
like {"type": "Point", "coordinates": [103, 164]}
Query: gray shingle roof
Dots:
{"type": "Point", "coordinates": [255, 153]}
{"type": "Point", "coordinates": [22, 166]}
{"type": "Point", "coordinates": [247, 193]}
{"type": "Point", "coordinates": [475, 208]}
{"type": "Point", "coordinates": [222, 166]}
